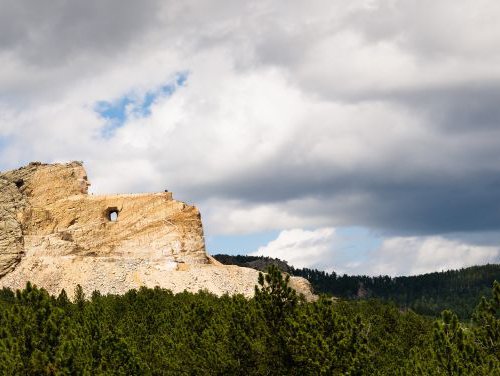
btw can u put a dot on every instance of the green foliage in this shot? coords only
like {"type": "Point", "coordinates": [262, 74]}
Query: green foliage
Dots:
{"type": "Point", "coordinates": [454, 348]}
{"type": "Point", "coordinates": [427, 294]}
{"type": "Point", "coordinates": [154, 332]}
{"type": "Point", "coordinates": [321, 341]}
{"type": "Point", "coordinates": [276, 299]}
{"type": "Point", "coordinates": [486, 329]}
{"type": "Point", "coordinates": [460, 349]}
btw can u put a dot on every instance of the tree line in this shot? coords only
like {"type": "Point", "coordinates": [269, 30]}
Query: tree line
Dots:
{"type": "Point", "coordinates": [154, 332]}
{"type": "Point", "coordinates": [427, 294]}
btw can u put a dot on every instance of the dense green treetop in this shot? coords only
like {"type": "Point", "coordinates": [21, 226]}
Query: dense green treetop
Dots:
{"type": "Point", "coordinates": [154, 332]}
{"type": "Point", "coordinates": [428, 294]}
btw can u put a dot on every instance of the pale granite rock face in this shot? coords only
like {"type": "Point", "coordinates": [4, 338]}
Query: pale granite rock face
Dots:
{"type": "Point", "coordinates": [56, 235]}
{"type": "Point", "coordinates": [12, 203]}
{"type": "Point", "coordinates": [59, 218]}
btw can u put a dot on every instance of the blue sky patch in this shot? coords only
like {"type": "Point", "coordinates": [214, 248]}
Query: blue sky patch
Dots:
{"type": "Point", "coordinates": [118, 111]}
{"type": "Point", "coordinates": [239, 244]}
{"type": "Point", "coordinates": [359, 240]}
{"type": "Point", "coordinates": [4, 141]}
{"type": "Point", "coordinates": [353, 245]}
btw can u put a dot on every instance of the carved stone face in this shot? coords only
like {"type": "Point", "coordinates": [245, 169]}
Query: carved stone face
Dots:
{"type": "Point", "coordinates": [83, 182]}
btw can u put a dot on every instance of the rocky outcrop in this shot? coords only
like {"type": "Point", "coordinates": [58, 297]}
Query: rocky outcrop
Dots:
{"type": "Point", "coordinates": [56, 235]}
{"type": "Point", "coordinates": [12, 204]}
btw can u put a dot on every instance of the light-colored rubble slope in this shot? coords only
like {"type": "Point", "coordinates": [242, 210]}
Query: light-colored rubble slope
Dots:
{"type": "Point", "coordinates": [56, 235]}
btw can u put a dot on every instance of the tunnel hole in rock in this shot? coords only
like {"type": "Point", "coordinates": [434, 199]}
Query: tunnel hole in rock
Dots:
{"type": "Point", "coordinates": [112, 214]}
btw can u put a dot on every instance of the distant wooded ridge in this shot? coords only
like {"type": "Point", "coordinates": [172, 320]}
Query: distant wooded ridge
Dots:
{"type": "Point", "coordinates": [427, 294]}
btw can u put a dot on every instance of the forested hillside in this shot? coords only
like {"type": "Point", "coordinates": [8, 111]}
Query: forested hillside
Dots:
{"type": "Point", "coordinates": [427, 294]}
{"type": "Point", "coordinates": [153, 332]}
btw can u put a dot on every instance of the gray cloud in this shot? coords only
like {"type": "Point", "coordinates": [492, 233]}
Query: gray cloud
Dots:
{"type": "Point", "coordinates": [470, 107]}
{"type": "Point", "coordinates": [382, 114]}
{"type": "Point", "coordinates": [50, 33]}
{"type": "Point", "coordinates": [433, 204]}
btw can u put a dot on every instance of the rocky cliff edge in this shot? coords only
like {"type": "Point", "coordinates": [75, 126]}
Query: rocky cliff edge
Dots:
{"type": "Point", "coordinates": [56, 235]}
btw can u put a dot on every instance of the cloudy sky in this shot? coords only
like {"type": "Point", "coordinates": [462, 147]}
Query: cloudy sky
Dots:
{"type": "Point", "coordinates": [355, 136]}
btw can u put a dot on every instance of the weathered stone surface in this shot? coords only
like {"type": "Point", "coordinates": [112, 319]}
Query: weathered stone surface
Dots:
{"type": "Point", "coordinates": [11, 237]}
{"type": "Point", "coordinates": [56, 235]}
{"type": "Point", "coordinates": [60, 218]}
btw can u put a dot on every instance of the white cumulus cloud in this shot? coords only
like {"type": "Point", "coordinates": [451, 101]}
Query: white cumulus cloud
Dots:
{"type": "Point", "coordinates": [301, 248]}
{"type": "Point", "coordinates": [417, 255]}
{"type": "Point", "coordinates": [325, 249]}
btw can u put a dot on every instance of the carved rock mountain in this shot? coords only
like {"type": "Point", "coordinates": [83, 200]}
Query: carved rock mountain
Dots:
{"type": "Point", "coordinates": [56, 235]}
